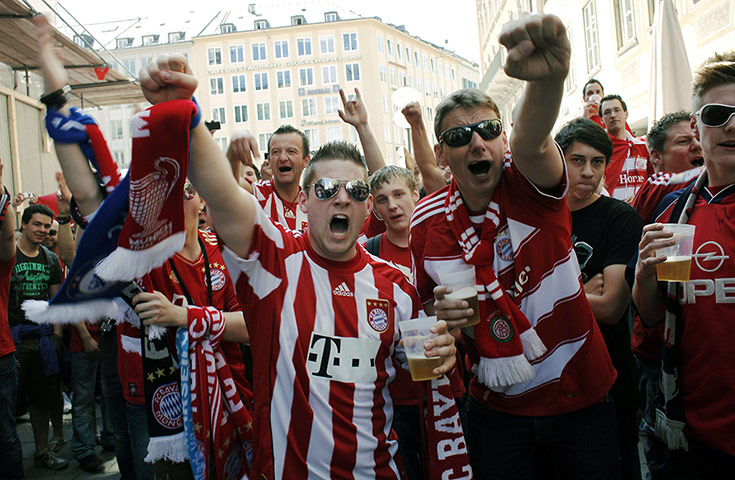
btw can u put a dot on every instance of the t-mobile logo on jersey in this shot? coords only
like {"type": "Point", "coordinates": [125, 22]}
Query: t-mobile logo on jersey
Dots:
{"type": "Point", "coordinates": [344, 359]}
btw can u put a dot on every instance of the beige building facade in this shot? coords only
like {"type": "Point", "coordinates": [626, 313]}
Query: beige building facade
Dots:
{"type": "Point", "coordinates": [611, 41]}
{"type": "Point", "coordinates": [258, 79]}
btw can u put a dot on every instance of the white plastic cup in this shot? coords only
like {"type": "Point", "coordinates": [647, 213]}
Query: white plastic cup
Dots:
{"type": "Point", "coordinates": [415, 333]}
{"type": "Point", "coordinates": [678, 262]}
{"type": "Point", "coordinates": [461, 280]}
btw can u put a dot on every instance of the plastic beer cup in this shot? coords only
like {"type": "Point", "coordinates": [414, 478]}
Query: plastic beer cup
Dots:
{"type": "Point", "coordinates": [415, 333]}
{"type": "Point", "coordinates": [461, 280]}
{"type": "Point", "coordinates": [678, 262]}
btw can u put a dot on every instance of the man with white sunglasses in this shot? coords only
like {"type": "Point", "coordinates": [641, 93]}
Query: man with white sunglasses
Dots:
{"type": "Point", "coordinates": [697, 360]}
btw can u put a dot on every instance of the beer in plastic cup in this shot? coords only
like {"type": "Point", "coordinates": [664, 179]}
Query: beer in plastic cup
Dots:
{"type": "Point", "coordinates": [461, 280]}
{"type": "Point", "coordinates": [678, 262]}
{"type": "Point", "coordinates": [594, 102]}
{"type": "Point", "coordinates": [415, 333]}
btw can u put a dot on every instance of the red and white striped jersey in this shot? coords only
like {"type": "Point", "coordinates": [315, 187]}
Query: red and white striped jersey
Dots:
{"type": "Point", "coordinates": [629, 167]}
{"type": "Point", "coordinates": [290, 216]}
{"type": "Point", "coordinates": [657, 187]}
{"type": "Point", "coordinates": [536, 264]}
{"type": "Point", "coordinates": [323, 336]}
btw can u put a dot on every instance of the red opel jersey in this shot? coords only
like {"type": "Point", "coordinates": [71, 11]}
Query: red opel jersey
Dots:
{"type": "Point", "coordinates": [629, 167]}
{"type": "Point", "coordinates": [130, 366]}
{"type": "Point", "coordinates": [288, 215]}
{"type": "Point", "coordinates": [6, 340]}
{"type": "Point", "coordinates": [536, 264]}
{"type": "Point", "coordinates": [706, 370]}
{"type": "Point", "coordinates": [323, 336]}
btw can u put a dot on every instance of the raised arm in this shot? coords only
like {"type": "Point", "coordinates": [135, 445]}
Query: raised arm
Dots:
{"type": "Point", "coordinates": [422, 151]}
{"type": "Point", "coordinates": [243, 150]}
{"type": "Point", "coordinates": [66, 237]}
{"type": "Point", "coordinates": [7, 228]}
{"type": "Point", "coordinates": [538, 52]}
{"type": "Point", "coordinates": [81, 180]}
{"type": "Point", "coordinates": [354, 113]}
{"type": "Point", "coordinates": [232, 209]}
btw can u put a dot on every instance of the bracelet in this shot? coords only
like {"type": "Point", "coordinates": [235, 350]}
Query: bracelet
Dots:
{"type": "Point", "coordinates": [79, 219]}
{"type": "Point", "coordinates": [63, 219]}
{"type": "Point", "coordinates": [197, 117]}
{"type": "Point", "coordinates": [56, 99]}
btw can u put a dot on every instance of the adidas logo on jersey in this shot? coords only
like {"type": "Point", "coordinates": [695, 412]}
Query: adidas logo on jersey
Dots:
{"type": "Point", "coordinates": [342, 290]}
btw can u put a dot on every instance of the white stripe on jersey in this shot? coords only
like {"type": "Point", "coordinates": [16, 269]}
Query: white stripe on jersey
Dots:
{"type": "Point", "coordinates": [553, 289]}
{"type": "Point", "coordinates": [623, 192]}
{"type": "Point", "coordinates": [427, 209]}
{"type": "Point", "coordinates": [283, 389]}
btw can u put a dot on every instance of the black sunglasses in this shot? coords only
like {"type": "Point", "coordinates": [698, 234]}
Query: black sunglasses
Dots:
{"type": "Point", "coordinates": [715, 114]}
{"type": "Point", "coordinates": [459, 136]}
{"type": "Point", "coordinates": [326, 188]}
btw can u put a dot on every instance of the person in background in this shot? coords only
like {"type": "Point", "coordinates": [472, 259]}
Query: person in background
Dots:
{"type": "Point", "coordinates": [592, 93]}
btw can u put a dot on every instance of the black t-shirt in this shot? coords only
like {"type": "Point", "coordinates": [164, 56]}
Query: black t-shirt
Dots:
{"type": "Point", "coordinates": [30, 280]}
{"type": "Point", "coordinates": [607, 232]}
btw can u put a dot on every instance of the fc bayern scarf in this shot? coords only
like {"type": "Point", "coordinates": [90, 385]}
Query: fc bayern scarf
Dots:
{"type": "Point", "coordinates": [670, 420]}
{"type": "Point", "coordinates": [218, 426]}
{"type": "Point", "coordinates": [154, 229]}
{"type": "Point", "coordinates": [504, 337]}
{"type": "Point", "coordinates": [442, 440]}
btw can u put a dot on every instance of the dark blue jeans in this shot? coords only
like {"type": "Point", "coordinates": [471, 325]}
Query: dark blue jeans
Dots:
{"type": "Point", "coordinates": [583, 444]}
{"type": "Point", "coordinates": [83, 379]}
{"type": "Point", "coordinates": [11, 453]}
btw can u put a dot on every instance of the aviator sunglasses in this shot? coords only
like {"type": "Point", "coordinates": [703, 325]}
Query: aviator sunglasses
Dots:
{"type": "Point", "coordinates": [715, 114]}
{"type": "Point", "coordinates": [460, 136]}
{"type": "Point", "coordinates": [326, 188]}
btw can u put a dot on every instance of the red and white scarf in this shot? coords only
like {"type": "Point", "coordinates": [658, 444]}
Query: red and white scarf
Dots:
{"type": "Point", "coordinates": [505, 339]}
{"type": "Point", "coordinates": [222, 425]}
{"type": "Point", "coordinates": [154, 228]}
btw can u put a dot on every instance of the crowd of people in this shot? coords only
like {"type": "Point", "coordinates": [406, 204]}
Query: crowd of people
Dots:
{"type": "Point", "coordinates": [268, 346]}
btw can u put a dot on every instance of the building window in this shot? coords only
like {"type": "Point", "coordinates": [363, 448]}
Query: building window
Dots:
{"type": "Point", "coordinates": [393, 79]}
{"type": "Point", "coordinates": [350, 41]}
{"type": "Point", "coordinates": [237, 54]}
{"type": "Point", "coordinates": [285, 109]}
{"type": "Point", "coordinates": [352, 72]}
{"type": "Point", "coordinates": [308, 107]}
{"type": "Point", "coordinates": [426, 62]}
{"type": "Point", "coordinates": [124, 42]}
{"type": "Point", "coordinates": [263, 111]}
{"type": "Point", "coordinates": [283, 78]}
{"type": "Point", "coordinates": [241, 113]}
{"type": "Point", "coordinates": [174, 37]}
{"type": "Point", "coordinates": [303, 46]}
{"type": "Point", "coordinates": [313, 135]}
{"type": "Point", "coordinates": [130, 66]}
{"type": "Point", "coordinates": [261, 81]}
{"type": "Point", "coordinates": [298, 20]}
{"type": "Point", "coordinates": [281, 48]}
{"type": "Point", "coordinates": [263, 141]}
{"type": "Point", "coordinates": [416, 60]}
{"type": "Point", "coordinates": [334, 134]}
{"type": "Point", "coordinates": [116, 129]}
{"type": "Point", "coordinates": [382, 73]}
{"type": "Point", "coordinates": [214, 56]}
{"type": "Point", "coordinates": [388, 131]}
{"type": "Point", "coordinates": [331, 17]}
{"type": "Point", "coordinates": [306, 77]}
{"type": "Point", "coordinates": [218, 115]}
{"type": "Point", "coordinates": [331, 104]}
{"type": "Point", "coordinates": [436, 91]}
{"type": "Point", "coordinates": [326, 44]}
{"type": "Point", "coordinates": [419, 85]}
{"type": "Point", "coordinates": [408, 55]}
{"type": "Point", "coordinates": [433, 66]}
{"type": "Point", "coordinates": [427, 88]}
{"type": "Point", "coordinates": [148, 40]}
{"type": "Point", "coordinates": [238, 83]}
{"type": "Point", "coordinates": [454, 74]}
{"type": "Point", "coordinates": [145, 61]}
{"type": "Point", "coordinates": [389, 43]}
{"type": "Point", "coordinates": [399, 51]}
{"type": "Point", "coordinates": [227, 28]}
{"type": "Point", "coordinates": [329, 74]}
{"type": "Point", "coordinates": [624, 22]}
{"type": "Point", "coordinates": [221, 143]}
{"type": "Point", "coordinates": [261, 24]}
{"type": "Point", "coordinates": [381, 44]}
{"type": "Point", "coordinates": [216, 86]}
{"type": "Point", "coordinates": [386, 104]}
{"type": "Point", "coordinates": [258, 51]}
{"type": "Point", "coordinates": [592, 44]}
{"type": "Point", "coordinates": [401, 79]}
{"type": "Point", "coordinates": [119, 157]}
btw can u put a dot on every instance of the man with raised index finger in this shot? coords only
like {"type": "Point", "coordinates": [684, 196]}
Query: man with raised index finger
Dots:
{"type": "Point", "coordinates": [541, 371]}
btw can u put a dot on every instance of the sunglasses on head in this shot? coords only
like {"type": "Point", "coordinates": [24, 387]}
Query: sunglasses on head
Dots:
{"type": "Point", "coordinates": [459, 136]}
{"type": "Point", "coordinates": [326, 188]}
{"type": "Point", "coordinates": [189, 191]}
{"type": "Point", "coordinates": [715, 114]}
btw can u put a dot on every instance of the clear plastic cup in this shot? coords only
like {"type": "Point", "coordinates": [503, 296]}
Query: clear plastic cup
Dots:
{"type": "Point", "coordinates": [461, 280]}
{"type": "Point", "coordinates": [415, 333]}
{"type": "Point", "coordinates": [678, 262]}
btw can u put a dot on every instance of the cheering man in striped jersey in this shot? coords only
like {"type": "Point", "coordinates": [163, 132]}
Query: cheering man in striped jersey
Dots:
{"type": "Point", "coordinates": [322, 314]}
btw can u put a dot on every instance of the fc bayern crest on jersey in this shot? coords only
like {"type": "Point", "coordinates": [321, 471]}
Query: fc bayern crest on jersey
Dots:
{"type": "Point", "coordinates": [378, 314]}
{"type": "Point", "coordinates": [233, 464]}
{"type": "Point", "coordinates": [503, 246]}
{"type": "Point", "coordinates": [218, 279]}
{"type": "Point", "coordinates": [500, 328]}
{"type": "Point", "coordinates": [166, 406]}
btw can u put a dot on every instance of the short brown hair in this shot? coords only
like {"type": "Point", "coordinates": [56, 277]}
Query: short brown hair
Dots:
{"type": "Point", "coordinates": [388, 173]}
{"type": "Point", "coordinates": [717, 70]}
{"type": "Point", "coordinates": [464, 98]}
